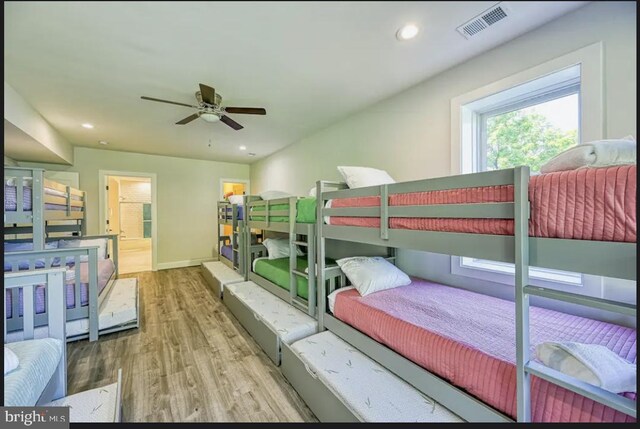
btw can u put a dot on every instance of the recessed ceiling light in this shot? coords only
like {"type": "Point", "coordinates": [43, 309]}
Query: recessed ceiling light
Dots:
{"type": "Point", "coordinates": [408, 31]}
{"type": "Point", "coordinates": [87, 125]}
{"type": "Point", "coordinates": [251, 154]}
{"type": "Point", "coordinates": [103, 142]}
{"type": "Point", "coordinates": [242, 148]}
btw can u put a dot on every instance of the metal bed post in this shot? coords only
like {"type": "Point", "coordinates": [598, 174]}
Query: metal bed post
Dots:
{"type": "Point", "coordinates": [521, 235]}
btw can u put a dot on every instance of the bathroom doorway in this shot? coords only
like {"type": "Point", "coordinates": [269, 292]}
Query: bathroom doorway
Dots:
{"type": "Point", "coordinates": [130, 214]}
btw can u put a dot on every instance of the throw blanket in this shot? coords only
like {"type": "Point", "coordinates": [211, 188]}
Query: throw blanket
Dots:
{"type": "Point", "coordinates": [592, 363]}
{"type": "Point", "coordinates": [602, 153]}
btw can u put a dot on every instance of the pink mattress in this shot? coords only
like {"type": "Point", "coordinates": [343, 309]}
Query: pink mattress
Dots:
{"type": "Point", "coordinates": [469, 340]}
{"type": "Point", "coordinates": [587, 204]}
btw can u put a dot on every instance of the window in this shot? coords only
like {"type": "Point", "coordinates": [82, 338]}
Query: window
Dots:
{"type": "Point", "coordinates": [527, 124]}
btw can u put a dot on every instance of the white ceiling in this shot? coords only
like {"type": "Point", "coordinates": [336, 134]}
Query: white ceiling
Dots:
{"type": "Point", "coordinates": [308, 63]}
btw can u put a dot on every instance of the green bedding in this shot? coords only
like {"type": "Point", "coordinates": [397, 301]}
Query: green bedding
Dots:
{"type": "Point", "coordinates": [277, 271]}
{"type": "Point", "coordinates": [306, 211]}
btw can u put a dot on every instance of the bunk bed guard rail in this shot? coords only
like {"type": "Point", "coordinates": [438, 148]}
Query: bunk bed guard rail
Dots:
{"type": "Point", "coordinates": [611, 258]}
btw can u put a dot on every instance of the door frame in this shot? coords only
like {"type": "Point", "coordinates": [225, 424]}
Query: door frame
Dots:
{"type": "Point", "coordinates": [102, 190]}
{"type": "Point", "coordinates": [247, 185]}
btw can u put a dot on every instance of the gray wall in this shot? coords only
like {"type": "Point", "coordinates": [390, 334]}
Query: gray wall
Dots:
{"type": "Point", "coordinates": [409, 134]}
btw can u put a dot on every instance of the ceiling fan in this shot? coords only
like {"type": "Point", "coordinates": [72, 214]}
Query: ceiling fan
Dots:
{"type": "Point", "coordinates": [210, 110]}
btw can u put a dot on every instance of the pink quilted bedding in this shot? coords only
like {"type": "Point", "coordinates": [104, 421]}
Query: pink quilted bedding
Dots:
{"type": "Point", "coordinates": [469, 340]}
{"type": "Point", "coordinates": [586, 204]}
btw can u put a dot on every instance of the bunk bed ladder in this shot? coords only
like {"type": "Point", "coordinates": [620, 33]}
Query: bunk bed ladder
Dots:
{"type": "Point", "coordinates": [525, 367]}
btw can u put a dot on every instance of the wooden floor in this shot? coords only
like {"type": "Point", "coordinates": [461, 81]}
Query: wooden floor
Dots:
{"type": "Point", "coordinates": [190, 361]}
{"type": "Point", "coordinates": [134, 255]}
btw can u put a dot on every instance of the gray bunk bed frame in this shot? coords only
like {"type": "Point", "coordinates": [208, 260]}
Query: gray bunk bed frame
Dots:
{"type": "Point", "coordinates": [35, 223]}
{"type": "Point", "coordinates": [90, 311]}
{"type": "Point", "coordinates": [236, 238]}
{"type": "Point", "coordinates": [294, 229]}
{"type": "Point", "coordinates": [611, 259]}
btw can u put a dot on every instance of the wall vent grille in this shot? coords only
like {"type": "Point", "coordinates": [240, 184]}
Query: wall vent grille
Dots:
{"type": "Point", "coordinates": [481, 22]}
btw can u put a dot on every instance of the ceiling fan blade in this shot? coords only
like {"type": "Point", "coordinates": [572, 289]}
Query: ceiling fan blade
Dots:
{"type": "Point", "coordinates": [188, 119]}
{"type": "Point", "coordinates": [167, 101]}
{"type": "Point", "coordinates": [246, 110]}
{"type": "Point", "coordinates": [208, 94]}
{"type": "Point", "coordinates": [233, 124]}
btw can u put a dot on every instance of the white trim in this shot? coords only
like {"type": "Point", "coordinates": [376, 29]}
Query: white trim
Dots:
{"type": "Point", "coordinates": [182, 264]}
{"type": "Point", "coordinates": [592, 122]}
{"type": "Point", "coordinates": [465, 122]}
{"type": "Point", "coordinates": [103, 206]}
{"type": "Point", "coordinates": [499, 272]}
{"type": "Point", "coordinates": [247, 185]}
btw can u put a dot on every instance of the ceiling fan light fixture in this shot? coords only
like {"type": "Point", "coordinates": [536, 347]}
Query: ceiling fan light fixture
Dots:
{"type": "Point", "coordinates": [210, 117]}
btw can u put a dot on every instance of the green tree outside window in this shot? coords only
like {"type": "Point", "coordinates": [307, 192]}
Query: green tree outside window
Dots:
{"type": "Point", "coordinates": [521, 138]}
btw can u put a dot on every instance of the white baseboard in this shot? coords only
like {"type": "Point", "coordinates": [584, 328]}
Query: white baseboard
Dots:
{"type": "Point", "coordinates": [182, 264]}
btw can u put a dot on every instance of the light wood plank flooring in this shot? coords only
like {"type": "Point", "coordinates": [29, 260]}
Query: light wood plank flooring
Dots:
{"type": "Point", "coordinates": [190, 361]}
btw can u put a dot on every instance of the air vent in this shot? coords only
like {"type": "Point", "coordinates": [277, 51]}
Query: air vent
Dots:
{"type": "Point", "coordinates": [481, 22]}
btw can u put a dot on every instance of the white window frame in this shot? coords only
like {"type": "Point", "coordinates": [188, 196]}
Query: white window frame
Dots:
{"type": "Point", "coordinates": [566, 88]}
{"type": "Point", "coordinates": [466, 111]}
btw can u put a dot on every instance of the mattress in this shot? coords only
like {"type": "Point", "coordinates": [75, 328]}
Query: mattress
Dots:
{"type": "Point", "coordinates": [287, 321]}
{"type": "Point", "coordinates": [305, 211]}
{"type": "Point", "coordinates": [11, 198]}
{"type": "Point", "coordinates": [119, 309]}
{"type": "Point", "coordinates": [371, 391]}
{"type": "Point", "coordinates": [106, 268]}
{"type": "Point", "coordinates": [585, 204]}
{"type": "Point", "coordinates": [469, 340]}
{"type": "Point", "coordinates": [277, 271]}
{"type": "Point", "coordinates": [227, 251]}
{"type": "Point", "coordinates": [38, 360]}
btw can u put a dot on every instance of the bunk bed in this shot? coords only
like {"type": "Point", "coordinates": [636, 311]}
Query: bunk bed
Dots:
{"type": "Point", "coordinates": [41, 371]}
{"type": "Point", "coordinates": [277, 275]}
{"type": "Point", "coordinates": [35, 206]}
{"type": "Point", "coordinates": [229, 246]}
{"type": "Point", "coordinates": [505, 216]}
{"type": "Point", "coordinates": [38, 374]}
{"type": "Point", "coordinates": [272, 312]}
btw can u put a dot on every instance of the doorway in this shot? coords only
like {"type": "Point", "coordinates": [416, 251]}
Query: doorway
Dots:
{"type": "Point", "coordinates": [129, 211]}
{"type": "Point", "coordinates": [232, 187]}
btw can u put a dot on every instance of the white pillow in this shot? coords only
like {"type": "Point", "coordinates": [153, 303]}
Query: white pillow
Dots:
{"type": "Point", "coordinates": [360, 177]}
{"type": "Point", "coordinates": [102, 250]}
{"type": "Point", "coordinates": [236, 199]}
{"type": "Point", "coordinates": [272, 195]}
{"type": "Point", "coordinates": [372, 274]}
{"type": "Point", "coordinates": [313, 192]}
{"type": "Point", "coordinates": [279, 248]}
{"type": "Point", "coordinates": [10, 360]}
